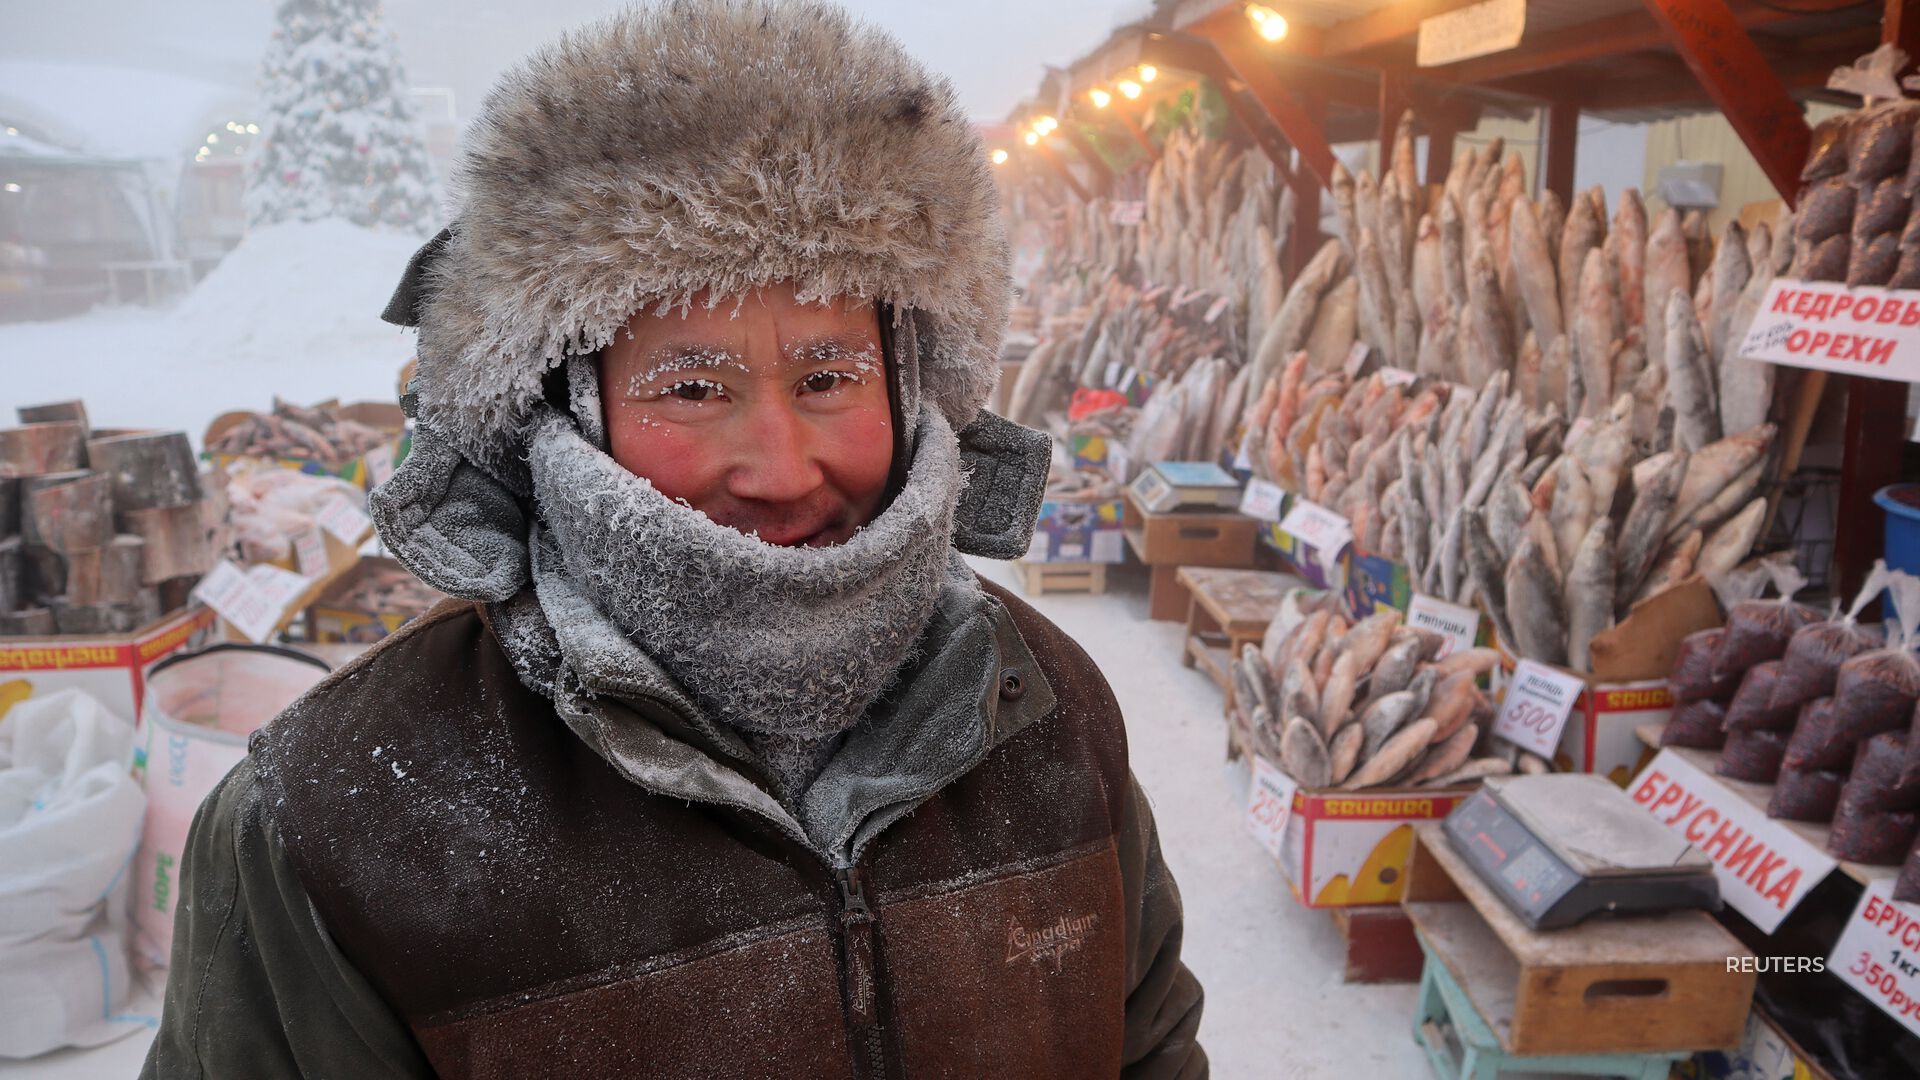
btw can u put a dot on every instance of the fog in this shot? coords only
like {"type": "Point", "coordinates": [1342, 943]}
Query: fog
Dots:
{"type": "Point", "coordinates": [993, 50]}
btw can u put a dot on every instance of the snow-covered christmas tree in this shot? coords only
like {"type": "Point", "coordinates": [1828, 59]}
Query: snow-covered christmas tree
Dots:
{"type": "Point", "coordinates": [341, 139]}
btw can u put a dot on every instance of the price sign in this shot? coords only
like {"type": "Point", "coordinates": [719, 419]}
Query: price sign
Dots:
{"type": "Point", "coordinates": [1393, 376]}
{"type": "Point", "coordinates": [238, 598]}
{"type": "Point", "coordinates": [380, 464]}
{"type": "Point", "coordinates": [1269, 804]}
{"type": "Point", "coordinates": [1878, 953]}
{"type": "Point", "coordinates": [1129, 212]}
{"type": "Point", "coordinates": [1356, 359]}
{"type": "Point", "coordinates": [1459, 625]}
{"type": "Point", "coordinates": [347, 522]}
{"type": "Point", "coordinates": [1764, 868]}
{"type": "Point", "coordinates": [1829, 326]}
{"type": "Point", "coordinates": [310, 553]}
{"type": "Point", "coordinates": [1262, 500]}
{"type": "Point", "coordinates": [1317, 526]}
{"type": "Point", "coordinates": [1539, 700]}
{"type": "Point", "coordinates": [1119, 460]}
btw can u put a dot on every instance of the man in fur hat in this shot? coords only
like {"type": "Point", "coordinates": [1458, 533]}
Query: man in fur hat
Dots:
{"type": "Point", "coordinates": [724, 764]}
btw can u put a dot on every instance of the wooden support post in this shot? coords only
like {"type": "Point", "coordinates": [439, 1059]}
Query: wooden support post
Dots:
{"type": "Point", "coordinates": [1139, 133]}
{"type": "Point", "coordinates": [1254, 70]}
{"type": "Point", "coordinates": [1304, 238]}
{"type": "Point", "coordinates": [1439, 152]}
{"type": "Point", "coordinates": [1563, 132]}
{"type": "Point", "coordinates": [1059, 169]}
{"type": "Point", "coordinates": [1393, 104]}
{"type": "Point", "coordinates": [1741, 82]}
{"type": "Point", "coordinates": [1097, 168]}
{"type": "Point", "coordinates": [1876, 411]}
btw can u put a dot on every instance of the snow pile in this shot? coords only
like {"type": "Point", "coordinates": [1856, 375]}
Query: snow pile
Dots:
{"type": "Point", "coordinates": [293, 311]}
{"type": "Point", "coordinates": [298, 293]}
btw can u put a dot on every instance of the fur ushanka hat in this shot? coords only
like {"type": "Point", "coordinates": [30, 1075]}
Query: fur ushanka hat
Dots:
{"type": "Point", "coordinates": [715, 145]}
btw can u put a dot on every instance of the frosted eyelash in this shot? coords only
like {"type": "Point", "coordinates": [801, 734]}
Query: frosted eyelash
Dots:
{"type": "Point", "coordinates": [708, 383]}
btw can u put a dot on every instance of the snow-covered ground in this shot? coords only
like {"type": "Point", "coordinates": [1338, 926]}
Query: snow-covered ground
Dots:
{"type": "Point", "coordinates": [295, 312]}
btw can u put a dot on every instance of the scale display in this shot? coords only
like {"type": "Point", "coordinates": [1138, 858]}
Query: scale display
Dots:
{"type": "Point", "coordinates": [1179, 485]}
{"type": "Point", "coordinates": [1561, 848]}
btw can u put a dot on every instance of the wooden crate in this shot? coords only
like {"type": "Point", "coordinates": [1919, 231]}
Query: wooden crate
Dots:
{"type": "Point", "coordinates": [1038, 579]}
{"type": "Point", "coordinates": [1646, 983]}
{"type": "Point", "coordinates": [1190, 537]}
{"type": "Point", "coordinates": [1380, 944]}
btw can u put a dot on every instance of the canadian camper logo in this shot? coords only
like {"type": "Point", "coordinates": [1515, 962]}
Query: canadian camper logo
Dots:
{"type": "Point", "coordinates": [1050, 943]}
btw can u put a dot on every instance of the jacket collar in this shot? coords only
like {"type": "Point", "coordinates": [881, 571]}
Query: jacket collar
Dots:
{"type": "Point", "coordinates": [946, 712]}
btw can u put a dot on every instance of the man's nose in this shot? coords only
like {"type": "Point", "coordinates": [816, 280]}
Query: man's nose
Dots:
{"type": "Point", "coordinates": [774, 453]}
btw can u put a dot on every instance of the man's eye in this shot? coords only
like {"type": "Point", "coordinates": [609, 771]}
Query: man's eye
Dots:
{"type": "Point", "coordinates": [822, 382]}
{"type": "Point", "coordinates": [695, 390]}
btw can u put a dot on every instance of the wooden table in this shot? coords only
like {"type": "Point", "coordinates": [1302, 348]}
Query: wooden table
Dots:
{"type": "Point", "coordinates": [1226, 610]}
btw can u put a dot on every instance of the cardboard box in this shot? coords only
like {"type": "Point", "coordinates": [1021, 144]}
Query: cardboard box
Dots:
{"type": "Point", "coordinates": [1320, 569]}
{"type": "Point", "coordinates": [367, 471]}
{"type": "Point", "coordinates": [111, 667]}
{"type": "Point", "coordinates": [332, 620]}
{"type": "Point", "coordinates": [1376, 583]}
{"type": "Point", "coordinates": [1766, 1053]}
{"type": "Point", "coordinates": [1089, 452]}
{"type": "Point", "coordinates": [1628, 684]}
{"type": "Point", "coordinates": [1072, 531]}
{"type": "Point", "coordinates": [1349, 848]}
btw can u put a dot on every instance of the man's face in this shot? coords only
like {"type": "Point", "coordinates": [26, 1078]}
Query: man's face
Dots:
{"type": "Point", "coordinates": [771, 420]}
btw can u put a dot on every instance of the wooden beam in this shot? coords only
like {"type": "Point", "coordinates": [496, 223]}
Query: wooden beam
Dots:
{"type": "Point", "coordinates": [1126, 120]}
{"type": "Point", "coordinates": [1743, 86]}
{"type": "Point", "coordinates": [1059, 169]}
{"type": "Point", "coordinates": [1563, 134]}
{"type": "Point", "coordinates": [1097, 167]}
{"type": "Point", "coordinates": [1254, 69]}
{"type": "Point", "coordinates": [1634, 31]}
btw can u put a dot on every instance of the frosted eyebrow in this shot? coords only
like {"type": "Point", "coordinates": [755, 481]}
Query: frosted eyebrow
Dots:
{"type": "Point", "coordinates": [860, 353]}
{"type": "Point", "coordinates": [673, 359]}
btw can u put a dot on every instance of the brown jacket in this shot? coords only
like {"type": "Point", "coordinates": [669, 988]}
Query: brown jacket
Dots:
{"type": "Point", "coordinates": [499, 899]}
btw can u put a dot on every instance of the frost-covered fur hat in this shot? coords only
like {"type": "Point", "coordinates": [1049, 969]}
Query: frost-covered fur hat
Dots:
{"type": "Point", "coordinates": [715, 145]}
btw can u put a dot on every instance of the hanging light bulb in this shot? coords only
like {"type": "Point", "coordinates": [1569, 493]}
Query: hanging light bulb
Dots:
{"type": "Point", "coordinates": [213, 136]}
{"type": "Point", "coordinates": [253, 129]}
{"type": "Point", "coordinates": [1129, 89]}
{"type": "Point", "coordinates": [1045, 125]}
{"type": "Point", "coordinates": [1101, 99]}
{"type": "Point", "coordinates": [1268, 23]}
{"type": "Point", "coordinates": [999, 156]}
{"type": "Point", "coordinates": [1148, 73]}
{"type": "Point", "coordinates": [1033, 138]}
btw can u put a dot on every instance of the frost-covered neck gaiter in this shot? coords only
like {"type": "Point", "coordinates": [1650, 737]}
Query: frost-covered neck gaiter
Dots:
{"type": "Point", "coordinates": [788, 646]}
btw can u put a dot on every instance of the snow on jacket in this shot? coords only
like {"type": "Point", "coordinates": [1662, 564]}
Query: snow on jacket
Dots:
{"type": "Point", "coordinates": [422, 870]}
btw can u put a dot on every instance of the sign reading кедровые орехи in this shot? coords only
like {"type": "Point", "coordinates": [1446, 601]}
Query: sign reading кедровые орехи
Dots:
{"type": "Point", "coordinates": [1828, 326]}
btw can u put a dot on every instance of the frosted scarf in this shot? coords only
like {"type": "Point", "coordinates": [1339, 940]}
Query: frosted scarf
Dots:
{"type": "Point", "coordinates": [787, 645]}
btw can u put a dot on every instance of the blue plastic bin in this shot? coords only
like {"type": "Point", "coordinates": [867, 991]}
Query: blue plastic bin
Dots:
{"type": "Point", "coordinates": [1903, 529]}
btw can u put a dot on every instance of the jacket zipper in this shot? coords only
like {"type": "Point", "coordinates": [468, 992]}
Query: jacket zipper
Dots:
{"type": "Point", "coordinates": [858, 970]}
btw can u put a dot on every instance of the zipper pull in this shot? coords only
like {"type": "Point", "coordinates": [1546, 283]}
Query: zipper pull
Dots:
{"type": "Point", "coordinates": [856, 938]}
{"type": "Point", "coordinates": [853, 891]}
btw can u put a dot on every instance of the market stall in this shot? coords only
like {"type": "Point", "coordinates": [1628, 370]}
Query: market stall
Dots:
{"type": "Point", "coordinates": [1495, 422]}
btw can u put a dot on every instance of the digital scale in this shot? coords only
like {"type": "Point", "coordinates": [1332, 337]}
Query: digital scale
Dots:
{"type": "Point", "coordinates": [1185, 485]}
{"type": "Point", "coordinates": [1561, 847]}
